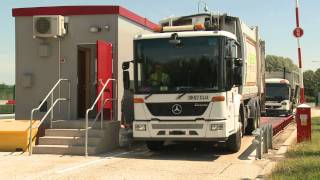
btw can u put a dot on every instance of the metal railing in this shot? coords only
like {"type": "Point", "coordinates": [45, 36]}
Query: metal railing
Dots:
{"type": "Point", "coordinates": [50, 111]}
{"type": "Point", "coordinates": [262, 140]}
{"type": "Point", "coordinates": [100, 113]}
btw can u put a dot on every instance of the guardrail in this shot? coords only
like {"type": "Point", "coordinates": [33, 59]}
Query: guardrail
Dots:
{"type": "Point", "coordinates": [50, 111]}
{"type": "Point", "coordinates": [100, 113]}
{"type": "Point", "coordinates": [264, 134]}
{"type": "Point", "coordinates": [262, 140]}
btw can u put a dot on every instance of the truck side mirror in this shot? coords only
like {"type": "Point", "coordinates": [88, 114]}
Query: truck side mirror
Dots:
{"type": "Point", "coordinates": [125, 65]}
{"type": "Point", "coordinates": [126, 80]}
{"type": "Point", "coordinates": [237, 76]}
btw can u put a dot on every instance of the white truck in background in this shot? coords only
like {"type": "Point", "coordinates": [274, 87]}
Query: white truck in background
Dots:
{"type": "Point", "coordinates": [197, 78]}
{"type": "Point", "coordinates": [281, 93]}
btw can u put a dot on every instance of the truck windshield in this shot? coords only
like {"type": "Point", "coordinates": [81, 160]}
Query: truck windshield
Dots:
{"type": "Point", "coordinates": [191, 65]}
{"type": "Point", "coordinates": [277, 92]}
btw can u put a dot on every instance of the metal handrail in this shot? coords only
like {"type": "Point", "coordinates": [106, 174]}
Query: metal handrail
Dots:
{"type": "Point", "coordinates": [100, 111]}
{"type": "Point", "coordinates": [50, 94]}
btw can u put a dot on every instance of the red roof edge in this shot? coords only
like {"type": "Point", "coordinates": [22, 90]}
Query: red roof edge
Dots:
{"type": "Point", "coordinates": [83, 10]}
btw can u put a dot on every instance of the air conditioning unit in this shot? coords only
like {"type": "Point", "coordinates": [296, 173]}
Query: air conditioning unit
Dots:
{"type": "Point", "coordinates": [48, 26]}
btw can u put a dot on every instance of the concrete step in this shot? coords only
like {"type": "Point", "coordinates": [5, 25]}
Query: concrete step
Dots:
{"type": "Point", "coordinates": [64, 150]}
{"type": "Point", "coordinates": [74, 132]}
{"type": "Point", "coordinates": [77, 124]}
{"type": "Point", "coordinates": [70, 141]}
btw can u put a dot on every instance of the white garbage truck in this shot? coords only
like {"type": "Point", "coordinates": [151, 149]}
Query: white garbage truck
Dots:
{"type": "Point", "coordinates": [197, 78]}
{"type": "Point", "coordinates": [282, 90]}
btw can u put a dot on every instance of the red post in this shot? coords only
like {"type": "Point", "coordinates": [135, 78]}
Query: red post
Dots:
{"type": "Point", "coordinates": [303, 118]}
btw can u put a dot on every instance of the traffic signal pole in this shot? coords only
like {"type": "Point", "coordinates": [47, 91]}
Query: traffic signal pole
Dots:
{"type": "Point", "coordinates": [298, 33]}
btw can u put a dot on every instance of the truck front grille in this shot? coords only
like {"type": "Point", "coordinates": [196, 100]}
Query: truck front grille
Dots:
{"type": "Point", "coordinates": [184, 108]}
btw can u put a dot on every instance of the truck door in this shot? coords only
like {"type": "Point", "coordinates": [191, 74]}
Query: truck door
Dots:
{"type": "Point", "coordinates": [104, 72]}
{"type": "Point", "coordinates": [231, 53]}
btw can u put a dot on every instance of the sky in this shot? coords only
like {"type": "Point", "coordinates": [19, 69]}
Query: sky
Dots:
{"type": "Point", "coordinates": [275, 18]}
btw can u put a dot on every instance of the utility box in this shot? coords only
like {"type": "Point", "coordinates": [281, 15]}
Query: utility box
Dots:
{"type": "Point", "coordinates": [303, 118]}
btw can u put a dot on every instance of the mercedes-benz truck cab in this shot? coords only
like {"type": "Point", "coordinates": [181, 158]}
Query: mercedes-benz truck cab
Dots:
{"type": "Point", "coordinates": [278, 97]}
{"type": "Point", "coordinates": [191, 83]}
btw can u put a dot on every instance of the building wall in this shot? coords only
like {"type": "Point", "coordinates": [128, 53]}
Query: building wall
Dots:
{"type": "Point", "coordinates": [127, 31]}
{"type": "Point", "coordinates": [44, 70]}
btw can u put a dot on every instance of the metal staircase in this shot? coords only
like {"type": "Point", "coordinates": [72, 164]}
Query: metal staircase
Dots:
{"type": "Point", "coordinates": [77, 137]}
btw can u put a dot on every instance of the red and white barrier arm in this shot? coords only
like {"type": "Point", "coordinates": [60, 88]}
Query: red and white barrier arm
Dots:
{"type": "Point", "coordinates": [7, 102]}
{"type": "Point", "coordinates": [299, 53]}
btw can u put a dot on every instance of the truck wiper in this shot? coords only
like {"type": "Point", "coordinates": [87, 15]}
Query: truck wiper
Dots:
{"type": "Point", "coordinates": [183, 93]}
{"type": "Point", "coordinates": [149, 95]}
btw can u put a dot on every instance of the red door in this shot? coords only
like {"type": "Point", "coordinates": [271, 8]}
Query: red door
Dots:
{"type": "Point", "coordinates": [104, 72]}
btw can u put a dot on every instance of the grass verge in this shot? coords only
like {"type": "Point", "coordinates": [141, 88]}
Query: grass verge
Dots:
{"type": "Point", "coordinates": [303, 160]}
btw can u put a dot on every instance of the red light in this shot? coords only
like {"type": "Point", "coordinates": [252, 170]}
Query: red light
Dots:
{"type": "Point", "coordinates": [157, 29]}
{"type": "Point", "coordinates": [199, 27]}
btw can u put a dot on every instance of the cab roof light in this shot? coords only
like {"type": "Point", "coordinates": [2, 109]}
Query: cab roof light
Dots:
{"type": "Point", "coordinates": [138, 100]}
{"type": "Point", "coordinates": [199, 27]}
{"type": "Point", "coordinates": [158, 29]}
{"type": "Point", "coordinates": [218, 98]}
{"type": "Point", "coordinates": [178, 28]}
{"type": "Point", "coordinates": [284, 81]}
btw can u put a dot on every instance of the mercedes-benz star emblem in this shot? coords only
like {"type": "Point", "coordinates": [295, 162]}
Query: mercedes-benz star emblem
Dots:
{"type": "Point", "coordinates": [176, 109]}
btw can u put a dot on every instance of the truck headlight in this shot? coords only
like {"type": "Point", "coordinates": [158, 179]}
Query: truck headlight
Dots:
{"type": "Point", "coordinates": [216, 127]}
{"type": "Point", "coordinates": [140, 127]}
{"type": "Point", "coordinates": [284, 103]}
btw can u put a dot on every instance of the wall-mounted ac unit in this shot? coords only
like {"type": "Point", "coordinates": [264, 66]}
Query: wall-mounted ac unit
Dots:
{"type": "Point", "coordinates": [48, 26]}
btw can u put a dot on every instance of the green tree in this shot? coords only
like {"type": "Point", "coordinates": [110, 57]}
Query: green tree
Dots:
{"type": "Point", "coordinates": [276, 63]}
{"type": "Point", "coordinates": [317, 80]}
{"type": "Point", "coordinates": [309, 82]}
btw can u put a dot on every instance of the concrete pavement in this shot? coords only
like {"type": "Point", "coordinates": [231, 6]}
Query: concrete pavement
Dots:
{"type": "Point", "coordinates": [315, 112]}
{"type": "Point", "coordinates": [176, 161]}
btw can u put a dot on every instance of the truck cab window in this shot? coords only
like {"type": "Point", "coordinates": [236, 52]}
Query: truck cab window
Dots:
{"type": "Point", "coordinates": [230, 56]}
{"type": "Point", "coordinates": [192, 66]}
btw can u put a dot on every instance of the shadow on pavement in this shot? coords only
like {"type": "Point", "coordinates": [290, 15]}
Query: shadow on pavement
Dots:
{"type": "Point", "coordinates": [190, 151]}
{"type": "Point", "coordinates": [245, 154]}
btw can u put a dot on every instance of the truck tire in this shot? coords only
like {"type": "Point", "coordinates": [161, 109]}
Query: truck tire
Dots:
{"type": "Point", "coordinates": [234, 142]}
{"type": "Point", "coordinates": [155, 145]}
{"type": "Point", "coordinates": [253, 123]}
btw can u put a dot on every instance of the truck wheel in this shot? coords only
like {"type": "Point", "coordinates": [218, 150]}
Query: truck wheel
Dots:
{"type": "Point", "coordinates": [234, 142]}
{"type": "Point", "coordinates": [155, 145]}
{"type": "Point", "coordinates": [253, 123]}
